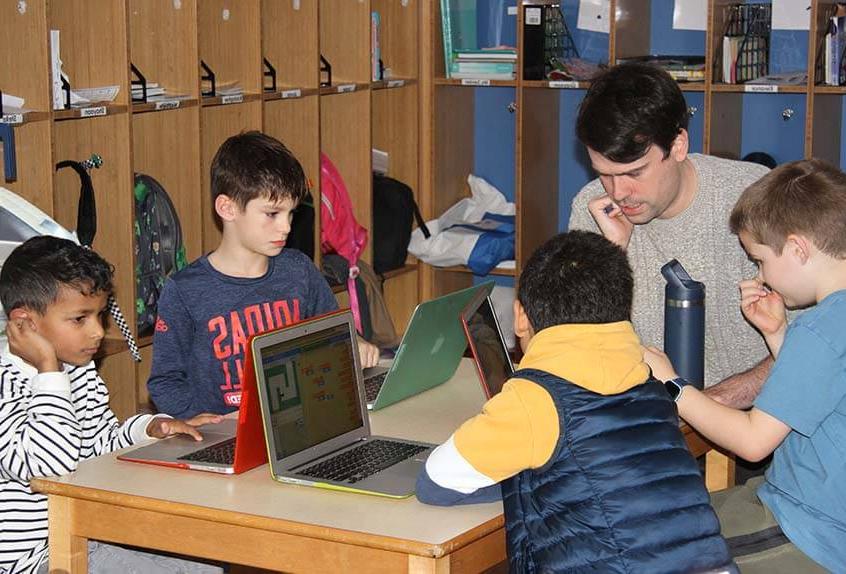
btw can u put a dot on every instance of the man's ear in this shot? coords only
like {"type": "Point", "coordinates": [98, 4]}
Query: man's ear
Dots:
{"type": "Point", "coordinates": [681, 146]}
{"type": "Point", "coordinates": [225, 207]}
{"type": "Point", "coordinates": [522, 325]}
{"type": "Point", "coordinates": [799, 246]}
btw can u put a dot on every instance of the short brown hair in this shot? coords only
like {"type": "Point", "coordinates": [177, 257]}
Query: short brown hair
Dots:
{"type": "Point", "coordinates": [252, 164]}
{"type": "Point", "coordinates": [806, 197]}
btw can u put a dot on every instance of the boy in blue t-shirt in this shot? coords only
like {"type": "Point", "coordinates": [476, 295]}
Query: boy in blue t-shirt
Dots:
{"type": "Point", "coordinates": [792, 224]}
{"type": "Point", "coordinates": [249, 284]}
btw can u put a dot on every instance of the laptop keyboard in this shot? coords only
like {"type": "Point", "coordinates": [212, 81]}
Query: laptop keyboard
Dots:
{"type": "Point", "coordinates": [222, 453]}
{"type": "Point", "coordinates": [372, 386]}
{"type": "Point", "coordinates": [358, 463]}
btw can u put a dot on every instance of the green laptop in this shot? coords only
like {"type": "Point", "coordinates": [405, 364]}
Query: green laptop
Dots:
{"type": "Point", "coordinates": [429, 353]}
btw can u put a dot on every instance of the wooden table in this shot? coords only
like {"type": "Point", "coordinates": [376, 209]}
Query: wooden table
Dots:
{"type": "Point", "coordinates": [252, 520]}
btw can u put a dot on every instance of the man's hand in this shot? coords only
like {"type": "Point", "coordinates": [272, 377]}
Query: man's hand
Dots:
{"type": "Point", "coordinates": [161, 427]}
{"type": "Point", "coordinates": [368, 353]}
{"type": "Point", "coordinates": [659, 362]}
{"type": "Point", "coordinates": [611, 221]}
{"type": "Point", "coordinates": [29, 344]}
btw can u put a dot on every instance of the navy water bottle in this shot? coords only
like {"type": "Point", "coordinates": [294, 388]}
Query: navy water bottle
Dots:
{"type": "Point", "coordinates": [684, 323]}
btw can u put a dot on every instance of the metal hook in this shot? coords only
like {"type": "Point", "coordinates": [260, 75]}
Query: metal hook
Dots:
{"type": "Point", "coordinates": [512, 107]}
{"type": "Point", "coordinates": [691, 110]}
{"type": "Point", "coordinates": [787, 113]}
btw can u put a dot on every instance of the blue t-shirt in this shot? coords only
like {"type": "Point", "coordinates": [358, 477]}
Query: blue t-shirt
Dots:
{"type": "Point", "coordinates": [805, 486]}
{"type": "Point", "coordinates": [205, 319]}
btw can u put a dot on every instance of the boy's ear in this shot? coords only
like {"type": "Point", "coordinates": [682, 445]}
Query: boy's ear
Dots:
{"type": "Point", "coordinates": [22, 314]}
{"type": "Point", "coordinates": [522, 325]}
{"type": "Point", "coordinates": [225, 207]}
{"type": "Point", "coordinates": [800, 246]}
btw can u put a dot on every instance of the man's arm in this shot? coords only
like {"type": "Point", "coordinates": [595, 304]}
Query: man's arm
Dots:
{"type": "Point", "coordinates": [740, 390]}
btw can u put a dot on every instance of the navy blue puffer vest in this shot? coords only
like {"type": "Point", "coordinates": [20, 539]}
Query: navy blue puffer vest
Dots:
{"type": "Point", "coordinates": [621, 492]}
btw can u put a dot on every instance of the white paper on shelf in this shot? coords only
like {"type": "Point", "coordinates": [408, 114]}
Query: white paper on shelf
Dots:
{"type": "Point", "coordinates": [12, 102]}
{"type": "Point", "coordinates": [93, 95]}
{"type": "Point", "coordinates": [791, 14]}
{"type": "Point", "coordinates": [594, 15]}
{"type": "Point", "coordinates": [690, 15]}
{"type": "Point", "coordinates": [56, 71]}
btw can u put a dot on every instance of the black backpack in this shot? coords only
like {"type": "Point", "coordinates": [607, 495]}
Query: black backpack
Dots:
{"type": "Point", "coordinates": [301, 235]}
{"type": "Point", "coordinates": [394, 212]}
{"type": "Point", "coordinates": [159, 251]}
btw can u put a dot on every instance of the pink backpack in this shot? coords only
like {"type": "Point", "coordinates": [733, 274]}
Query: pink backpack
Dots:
{"type": "Point", "coordinates": [339, 231]}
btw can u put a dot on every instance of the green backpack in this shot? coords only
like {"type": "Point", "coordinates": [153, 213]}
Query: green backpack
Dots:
{"type": "Point", "coordinates": [159, 251]}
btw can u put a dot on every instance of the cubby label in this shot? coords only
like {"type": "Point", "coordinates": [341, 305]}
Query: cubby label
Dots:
{"type": "Point", "coordinates": [232, 99]}
{"type": "Point", "coordinates": [396, 83]}
{"type": "Point", "coordinates": [475, 82]}
{"type": "Point", "coordinates": [12, 119]}
{"type": "Point", "coordinates": [343, 88]}
{"type": "Point", "coordinates": [563, 84]}
{"type": "Point", "coordinates": [760, 88]}
{"type": "Point", "coordinates": [167, 105]}
{"type": "Point", "coordinates": [287, 94]}
{"type": "Point", "coordinates": [92, 112]}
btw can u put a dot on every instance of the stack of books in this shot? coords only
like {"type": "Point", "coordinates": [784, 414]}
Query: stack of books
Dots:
{"type": "Point", "coordinates": [681, 68]}
{"type": "Point", "coordinates": [835, 45]}
{"type": "Point", "coordinates": [485, 64]}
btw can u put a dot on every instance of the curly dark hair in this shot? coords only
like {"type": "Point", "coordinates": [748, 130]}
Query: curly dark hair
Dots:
{"type": "Point", "coordinates": [576, 277]}
{"type": "Point", "coordinates": [36, 270]}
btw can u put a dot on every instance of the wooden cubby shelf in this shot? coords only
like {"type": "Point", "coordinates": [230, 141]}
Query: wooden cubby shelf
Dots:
{"type": "Point", "coordinates": [166, 41]}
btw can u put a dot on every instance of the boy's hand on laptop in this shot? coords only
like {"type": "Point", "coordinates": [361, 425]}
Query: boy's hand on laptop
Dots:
{"type": "Point", "coordinates": [162, 427]}
{"type": "Point", "coordinates": [28, 344]}
{"type": "Point", "coordinates": [368, 353]}
{"type": "Point", "coordinates": [659, 362]}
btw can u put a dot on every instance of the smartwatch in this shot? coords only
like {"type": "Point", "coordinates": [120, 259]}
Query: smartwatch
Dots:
{"type": "Point", "coordinates": [675, 387]}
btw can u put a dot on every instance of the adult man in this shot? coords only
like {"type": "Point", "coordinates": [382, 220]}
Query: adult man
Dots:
{"type": "Point", "coordinates": [659, 203]}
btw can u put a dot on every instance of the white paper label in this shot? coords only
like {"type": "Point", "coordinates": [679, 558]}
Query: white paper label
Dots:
{"type": "Point", "coordinates": [343, 88]}
{"type": "Point", "coordinates": [760, 88]}
{"type": "Point", "coordinates": [12, 119]}
{"type": "Point", "coordinates": [291, 94]}
{"type": "Point", "coordinates": [533, 16]}
{"type": "Point", "coordinates": [396, 83]}
{"type": "Point", "coordinates": [563, 84]}
{"type": "Point", "coordinates": [167, 105]}
{"type": "Point", "coordinates": [92, 112]}
{"type": "Point", "coordinates": [475, 82]}
{"type": "Point", "coordinates": [232, 99]}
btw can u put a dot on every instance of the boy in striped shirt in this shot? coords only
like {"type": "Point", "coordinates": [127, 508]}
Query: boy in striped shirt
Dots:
{"type": "Point", "coordinates": [54, 407]}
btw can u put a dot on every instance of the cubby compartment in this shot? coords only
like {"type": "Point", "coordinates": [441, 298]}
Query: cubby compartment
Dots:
{"type": "Point", "coordinates": [163, 50]}
{"type": "Point", "coordinates": [293, 121]}
{"type": "Point", "coordinates": [289, 47]}
{"type": "Point", "coordinates": [22, 47]}
{"type": "Point", "coordinates": [109, 138]}
{"type": "Point", "coordinates": [93, 41]}
{"type": "Point", "coordinates": [345, 139]}
{"type": "Point", "coordinates": [344, 34]}
{"type": "Point", "coordinates": [217, 123]}
{"type": "Point", "coordinates": [398, 38]}
{"type": "Point", "coordinates": [230, 50]}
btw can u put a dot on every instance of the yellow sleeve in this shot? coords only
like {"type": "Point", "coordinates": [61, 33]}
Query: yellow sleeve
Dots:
{"type": "Point", "coordinates": [516, 430]}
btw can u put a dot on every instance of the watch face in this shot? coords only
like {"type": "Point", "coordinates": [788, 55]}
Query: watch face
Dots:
{"type": "Point", "coordinates": [673, 389]}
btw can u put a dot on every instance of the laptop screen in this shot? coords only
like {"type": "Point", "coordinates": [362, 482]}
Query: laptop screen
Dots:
{"type": "Point", "coordinates": [311, 388]}
{"type": "Point", "coordinates": [491, 354]}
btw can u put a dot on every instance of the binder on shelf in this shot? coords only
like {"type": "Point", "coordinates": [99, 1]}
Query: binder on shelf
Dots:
{"type": "Point", "coordinates": [746, 42]}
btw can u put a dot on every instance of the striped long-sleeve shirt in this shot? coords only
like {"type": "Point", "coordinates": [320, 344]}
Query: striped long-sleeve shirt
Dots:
{"type": "Point", "coordinates": [49, 422]}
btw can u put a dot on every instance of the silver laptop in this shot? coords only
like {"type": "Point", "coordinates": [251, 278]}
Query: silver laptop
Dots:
{"type": "Point", "coordinates": [315, 419]}
{"type": "Point", "coordinates": [484, 336]}
{"type": "Point", "coordinates": [429, 352]}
